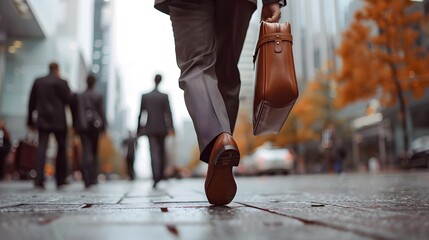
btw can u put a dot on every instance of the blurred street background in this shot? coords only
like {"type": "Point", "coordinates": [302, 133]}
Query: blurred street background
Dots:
{"type": "Point", "coordinates": [351, 161]}
{"type": "Point", "coordinates": [350, 206]}
{"type": "Point", "coordinates": [362, 68]}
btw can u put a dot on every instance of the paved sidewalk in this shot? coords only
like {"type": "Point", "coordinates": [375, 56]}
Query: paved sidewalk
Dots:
{"type": "Point", "coordinates": [354, 206]}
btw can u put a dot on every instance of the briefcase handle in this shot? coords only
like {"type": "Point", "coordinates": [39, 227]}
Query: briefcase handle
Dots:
{"type": "Point", "coordinates": [272, 37]}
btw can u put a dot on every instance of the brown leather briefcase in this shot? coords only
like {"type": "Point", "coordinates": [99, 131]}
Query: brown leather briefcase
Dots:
{"type": "Point", "coordinates": [276, 89]}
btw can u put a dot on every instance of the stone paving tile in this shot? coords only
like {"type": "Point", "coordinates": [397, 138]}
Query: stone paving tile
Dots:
{"type": "Point", "coordinates": [158, 206]}
{"type": "Point", "coordinates": [183, 198]}
{"type": "Point", "coordinates": [173, 223]}
{"type": "Point", "coordinates": [397, 205]}
{"type": "Point", "coordinates": [377, 224]}
{"type": "Point", "coordinates": [59, 199]}
{"type": "Point", "coordinates": [42, 208]}
{"type": "Point", "coordinates": [353, 206]}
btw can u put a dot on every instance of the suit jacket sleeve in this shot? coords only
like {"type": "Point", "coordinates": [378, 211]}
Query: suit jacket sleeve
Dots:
{"type": "Point", "coordinates": [168, 115]}
{"type": "Point", "coordinates": [65, 93]}
{"type": "Point", "coordinates": [100, 110]}
{"type": "Point", "coordinates": [32, 104]}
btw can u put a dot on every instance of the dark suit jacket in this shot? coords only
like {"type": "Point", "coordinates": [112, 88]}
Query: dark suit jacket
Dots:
{"type": "Point", "coordinates": [49, 97]}
{"type": "Point", "coordinates": [162, 5]}
{"type": "Point", "coordinates": [89, 99]}
{"type": "Point", "coordinates": [159, 119]}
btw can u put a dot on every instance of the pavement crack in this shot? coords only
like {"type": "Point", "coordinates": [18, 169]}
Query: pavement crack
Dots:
{"type": "Point", "coordinates": [360, 208]}
{"type": "Point", "coordinates": [319, 223]}
{"type": "Point", "coordinates": [126, 194]}
{"type": "Point", "coordinates": [8, 205]}
{"type": "Point", "coordinates": [87, 205]}
{"type": "Point", "coordinates": [318, 205]}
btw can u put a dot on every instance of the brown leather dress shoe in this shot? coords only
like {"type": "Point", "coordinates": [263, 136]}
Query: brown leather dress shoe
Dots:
{"type": "Point", "coordinates": [220, 185]}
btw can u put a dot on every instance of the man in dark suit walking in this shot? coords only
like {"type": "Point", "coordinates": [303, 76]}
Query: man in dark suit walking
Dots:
{"type": "Point", "coordinates": [89, 121]}
{"type": "Point", "coordinates": [209, 36]}
{"type": "Point", "coordinates": [48, 98]}
{"type": "Point", "coordinates": [158, 125]}
{"type": "Point", "coordinates": [130, 144]}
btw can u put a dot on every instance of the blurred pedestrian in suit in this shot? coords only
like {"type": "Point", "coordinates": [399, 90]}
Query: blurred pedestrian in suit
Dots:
{"type": "Point", "coordinates": [157, 126]}
{"type": "Point", "coordinates": [89, 121]}
{"type": "Point", "coordinates": [130, 144]}
{"type": "Point", "coordinates": [46, 112]}
{"type": "Point", "coordinates": [339, 159]}
{"type": "Point", "coordinates": [329, 147]}
{"type": "Point", "coordinates": [5, 145]}
{"type": "Point", "coordinates": [209, 36]}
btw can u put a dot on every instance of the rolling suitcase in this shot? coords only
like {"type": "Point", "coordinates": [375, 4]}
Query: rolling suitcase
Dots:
{"type": "Point", "coordinates": [26, 158]}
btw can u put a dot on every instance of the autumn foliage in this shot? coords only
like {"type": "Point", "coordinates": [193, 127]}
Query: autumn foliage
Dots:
{"type": "Point", "coordinates": [305, 123]}
{"type": "Point", "coordinates": [379, 47]}
{"type": "Point", "coordinates": [312, 111]}
{"type": "Point", "coordinates": [381, 57]}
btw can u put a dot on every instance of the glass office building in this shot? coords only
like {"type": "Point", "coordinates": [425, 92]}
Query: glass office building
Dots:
{"type": "Point", "coordinates": [34, 33]}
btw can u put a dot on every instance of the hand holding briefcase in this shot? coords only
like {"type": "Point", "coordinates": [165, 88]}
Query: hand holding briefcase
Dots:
{"type": "Point", "coordinates": [276, 89]}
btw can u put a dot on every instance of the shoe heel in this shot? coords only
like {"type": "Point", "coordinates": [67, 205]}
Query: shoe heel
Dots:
{"type": "Point", "coordinates": [228, 156]}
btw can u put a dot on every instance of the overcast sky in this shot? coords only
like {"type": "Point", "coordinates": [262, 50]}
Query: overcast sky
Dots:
{"type": "Point", "coordinates": [145, 46]}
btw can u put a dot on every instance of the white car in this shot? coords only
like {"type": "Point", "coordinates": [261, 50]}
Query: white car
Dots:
{"type": "Point", "coordinates": [419, 152]}
{"type": "Point", "coordinates": [269, 160]}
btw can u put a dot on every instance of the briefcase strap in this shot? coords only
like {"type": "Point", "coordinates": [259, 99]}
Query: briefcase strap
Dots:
{"type": "Point", "coordinates": [271, 37]}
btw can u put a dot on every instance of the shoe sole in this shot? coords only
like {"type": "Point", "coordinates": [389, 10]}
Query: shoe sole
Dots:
{"type": "Point", "coordinates": [229, 156]}
{"type": "Point", "coordinates": [221, 187]}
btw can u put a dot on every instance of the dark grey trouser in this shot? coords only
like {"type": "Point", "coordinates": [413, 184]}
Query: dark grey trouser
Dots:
{"type": "Point", "coordinates": [157, 155]}
{"type": "Point", "coordinates": [61, 159]}
{"type": "Point", "coordinates": [130, 167]}
{"type": "Point", "coordinates": [209, 37]}
{"type": "Point", "coordinates": [89, 140]}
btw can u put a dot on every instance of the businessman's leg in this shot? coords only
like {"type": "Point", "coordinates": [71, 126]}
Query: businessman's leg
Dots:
{"type": "Point", "coordinates": [231, 24]}
{"type": "Point", "coordinates": [41, 157]}
{"type": "Point", "coordinates": [156, 159]}
{"type": "Point", "coordinates": [61, 160]}
{"type": "Point", "coordinates": [86, 158]}
{"type": "Point", "coordinates": [194, 33]}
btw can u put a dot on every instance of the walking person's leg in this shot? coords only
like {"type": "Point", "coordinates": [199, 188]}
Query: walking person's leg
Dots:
{"type": "Point", "coordinates": [86, 158]}
{"type": "Point", "coordinates": [196, 49]}
{"type": "Point", "coordinates": [41, 158]}
{"type": "Point", "coordinates": [130, 167]}
{"type": "Point", "coordinates": [194, 34]}
{"type": "Point", "coordinates": [95, 136]}
{"type": "Point", "coordinates": [61, 160]}
{"type": "Point", "coordinates": [3, 155]}
{"type": "Point", "coordinates": [231, 24]}
{"type": "Point", "coordinates": [163, 155]}
{"type": "Point", "coordinates": [155, 157]}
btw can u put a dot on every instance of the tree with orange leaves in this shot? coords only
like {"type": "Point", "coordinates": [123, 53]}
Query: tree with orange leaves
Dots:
{"type": "Point", "coordinates": [312, 111]}
{"type": "Point", "coordinates": [381, 57]}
